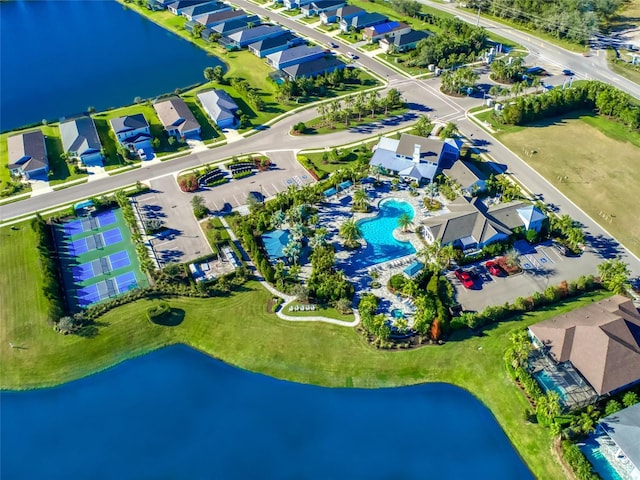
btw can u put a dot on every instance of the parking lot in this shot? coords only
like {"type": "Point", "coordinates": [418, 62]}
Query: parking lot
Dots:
{"type": "Point", "coordinates": [183, 239]}
{"type": "Point", "coordinates": [285, 171]}
{"type": "Point", "coordinates": [542, 266]}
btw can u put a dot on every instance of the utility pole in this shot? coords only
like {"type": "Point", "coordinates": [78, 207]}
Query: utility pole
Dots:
{"type": "Point", "coordinates": [478, 19]}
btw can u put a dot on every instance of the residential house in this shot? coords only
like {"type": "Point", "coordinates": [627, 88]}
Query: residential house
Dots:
{"type": "Point", "coordinates": [384, 30]}
{"type": "Point", "coordinates": [295, 55]}
{"type": "Point", "coordinates": [359, 22]}
{"type": "Point", "coordinates": [80, 140]}
{"type": "Point", "coordinates": [132, 131]}
{"type": "Point", "coordinates": [265, 47]}
{"type": "Point", "coordinates": [157, 5]}
{"type": "Point", "coordinates": [343, 13]}
{"type": "Point", "coordinates": [27, 154]}
{"type": "Point", "coordinates": [314, 67]}
{"type": "Point", "coordinates": [403, 42]}
{"type": "Point", "coordinates": [196, 11]}
{"type": "Point", "coordinates": [600, 340]}
{"type": "Point", "coordinates": [319, 6]}
{"type": "Point", "coordinates": [467, 176]}
{"type": "Point", "coordinates": [177, 118]}
{"type": "Point", "coordinates": [179, 6]}
{"type": "Point", "coordinates": [251, 35]}
{"type": "Point", "coordinates": [621, 430]}
{"type": "Point", "coordinates": [220, 107]}
{"type": "Point", "coordinates": [413, 157]}
{"type": "Point", "coordinates": [470, 225]}
{"type": "Point", "coordinates": [227, 27]}
{"type": "Point", "coordinates": [292, 4]}
{"type": "Point", "coordinates": [211, 19]}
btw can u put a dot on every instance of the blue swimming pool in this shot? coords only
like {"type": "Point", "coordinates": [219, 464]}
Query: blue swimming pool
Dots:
{"type": "Point", "coordinates": [591, 450]}
{"type": "Point", "coordinates": [378, 233]}
{"type": "Point", "coordinates": [547, 383]}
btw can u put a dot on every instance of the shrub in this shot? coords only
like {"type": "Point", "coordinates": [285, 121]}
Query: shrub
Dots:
{"type": "Point", "coordinates": [578, 462]}
{"type": "Point", "coordinates": [158, 311]}
{"type": "Point", "coordinates": [240, 175]}
{"type": "Point", "coordinates": [188, 183]}
{"type": "Point", "coordinates": [397, 281]}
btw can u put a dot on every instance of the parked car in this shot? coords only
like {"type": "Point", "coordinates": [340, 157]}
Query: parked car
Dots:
{"type": "Point", "coordinates": [464, 278]}
{"type": "Point", "coordinates": [567, 72]}
{"type": "Point", "coordinates": [494, 268]}
{"type": "Point", "coordinates": [333, 45]}
{"type": "Point", "coordinates": [142, 154]}
{"type": "Point", "coordinates": [352, 56]}
{"type": "Point", "coordinates": [561, 249]}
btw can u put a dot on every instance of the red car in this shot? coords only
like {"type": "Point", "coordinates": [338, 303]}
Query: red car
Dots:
{"type": "Point", "coordinates": [494, 268]}
{"type": "Point", "coordinates": [464, 278]}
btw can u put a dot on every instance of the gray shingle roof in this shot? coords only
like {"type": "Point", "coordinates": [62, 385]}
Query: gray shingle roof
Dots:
{"type": "Point", "coordinates": [463, 173]}
{"type": "Point", "coordinates": [219, 17]}
{"type": "Point", "coordinates": [601, 340]}
{"type": "Point", "coordinates": [79, 135]}
{"type": "Point", "coordinates": [219, 103]}
{"type": "Point", "coordinates": [407, 38]}
{"type": "Point", "coordinates": [129, 122]}
{"type": "Point", "coordinates": [255, 32]}
{"type": "Point", "coordinates": [272, 42]}
{"type": "Point", "coordinates": [203, 9]}
{"type": "Point", "coordinates": [27, 151]}
{"type": "Point", "coordinates": [349, 10]}
{"type": "Point", "coordinates": [229, 26]}
{"type": "Point", "coordinates": [174, 112]}
{"type": "Point", "coordinates": [624, 428]}
{"type": "Point", "coordinates": [294, 53]}
{"type": "Point", "coordinates": [367, 19]}
{"type": "Point", "coordinates": [430, 148]}
{"type": "Point", "coordinates": [314, 67]}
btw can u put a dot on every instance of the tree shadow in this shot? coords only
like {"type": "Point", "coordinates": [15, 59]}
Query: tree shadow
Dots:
{"type": "Point", "coordinates": [172, 318]}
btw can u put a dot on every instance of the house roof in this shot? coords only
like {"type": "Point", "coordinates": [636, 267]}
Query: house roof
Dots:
{"type": "Point", "coordinates": [272, 42]}
{"type": "Point", "coordinates": [219, 17]}
{"type": "Point", "coordinates": [204, 8]}
{"type": "Point", "coordinates": [406, 38]}
{"type": "Point", "coordinates": [128, 122]}
{"type": "Point", "coordinates": [219, 103]}
{"type": "Point", "coordinates": [181, 4]}
{"type": "Point", "coordinates": [322, 4]}
{"type": "Point", "coordinates": [80, 135]}
{"type": "Point", "coordinates": [601, 340]}
{"type": "Point", "coordinates": [256, 32]}
{"type": "Point", "coordinates": [624, 428]}
{"type": "Point", "coordinates": [294, 53]}
{"type": "Point", "coordinates": [384, 28]}
{"type": "Point", "coordinates": [174, 112]}
{"type": "Point", "coordinates": [274, 242]}
{"type": "Point", "coordinates": [430, 148]}
{"type": "Point", "coordinates": [235, 24]}
{"type": "Point", "coordinates": [419, 171]}
{"type": "Point", "coordinates": [314, 67]}
{"type": "Point", "coordinates": [367, 19]}
{"type": "Point", "coordinates": [350, 10]}
{"type": "Point", "coordinates": [463, 220]}
{"type": "Point", "coordinates": [463, 173]}
{"type": "Point", "coordinates": [530, 214]}
{"type": "Point", "coordinates": [27, 151]}
{"type": "Point", "coordinates": [508, 214]}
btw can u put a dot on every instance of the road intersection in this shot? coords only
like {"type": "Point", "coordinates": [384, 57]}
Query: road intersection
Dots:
{"type": "Point", "coordinates": [422, 97]}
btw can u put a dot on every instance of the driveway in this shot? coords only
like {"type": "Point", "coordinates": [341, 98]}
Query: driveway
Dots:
{"type": "Point", "coordinates": [542, 266]}
{"type": "Point", "coordinates": [284, 172]}
{"type": "Point", "coordinates": [183, 240]}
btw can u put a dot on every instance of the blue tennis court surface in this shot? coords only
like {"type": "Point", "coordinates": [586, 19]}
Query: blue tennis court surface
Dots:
{"type": "Point", "coordinates": [112, 236]}
{"type": "Point", "coordinates": [73, 228]}
{"type": "Point", "coordinates": [126, 282]}
{"type": "Point", "coordinates": [106, 218]}
{"type": "Point", "coordinates": [82, 272]}
{"type": "Point", "coordinates": [106, 289]}
{"type": "Point", "coordinates": [119, 260]}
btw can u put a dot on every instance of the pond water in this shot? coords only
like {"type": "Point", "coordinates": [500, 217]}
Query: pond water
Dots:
{"type": "Point", "coordinates": [177, 413]}
{"type": "Point", "coordinates": [57, 58]}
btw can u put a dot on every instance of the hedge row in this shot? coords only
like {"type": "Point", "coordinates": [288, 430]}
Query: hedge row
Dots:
{"type": "Point", "coordinates": [578, 462]}
{"type": "Point", "coordinates": [52, 285]}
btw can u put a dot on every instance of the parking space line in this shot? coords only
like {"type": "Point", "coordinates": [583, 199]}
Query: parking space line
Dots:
{"type": "Point", "coordinates": [236, 199]}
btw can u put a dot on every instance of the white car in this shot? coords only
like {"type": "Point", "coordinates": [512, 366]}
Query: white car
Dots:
{"type": "Point", "coordinates": [142, 154]}
{"type": "Point", "coordinates": [352, 56]}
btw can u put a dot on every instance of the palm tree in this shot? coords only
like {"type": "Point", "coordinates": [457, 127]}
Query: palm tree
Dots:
{"type": "Point", "coordinates": [319, 238]}
{"type": "Point", "coordinates": [587, 420]}
{"type": "Point", "coordinates": [292, 251]}
{"type": "Point", "coordinates": [404, 222]}
{"type": "Point", "coordinates": [350, 232]}
{"type": "Point", "coordinates": [423, 126]}
{"type": "Point", "coordinates": [372, 102]}
{"type": "Point", "coordinates": [438, 255]}
{"type": "Point", "coordinates": [431, 190]}
{"type": "Point", "coordinates": [359, 105]}
{"type": "Point", "coordinates": [323, 109]}
{"type": "Point", "coordinates": [277, 219]}
{"type": "Point", "coordinates": [361, 200]}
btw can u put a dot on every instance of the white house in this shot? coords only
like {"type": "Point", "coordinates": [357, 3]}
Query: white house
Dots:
{"type": "Point", "coordinates": [132, 131]}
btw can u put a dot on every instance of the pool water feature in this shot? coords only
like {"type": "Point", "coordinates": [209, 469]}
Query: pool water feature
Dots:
{"type": "Point", "coordinates": [397, 313]}
{"type": "Point", "coordinates": [591, 450]}
{"type": "Point", "coordinates": [548, 384]}
{"type": "Point", "coordinates": [378, 233]}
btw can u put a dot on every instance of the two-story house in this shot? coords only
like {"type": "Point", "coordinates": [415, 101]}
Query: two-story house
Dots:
{"type": "Point", "coordinates": [132, 131]}
{"type": "Point", "coordinates": [80, 140]}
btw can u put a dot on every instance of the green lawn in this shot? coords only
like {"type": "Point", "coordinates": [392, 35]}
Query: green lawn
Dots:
{"type": "Point", "coordinates": [579, 169]}
{"type": "Point", "coordinates": [238, 330]}
{"type": "Point", "coordinates": [627, 70]}
{"type": "Point", "coordinates": [324, 169]}
{"type": "Point", "coordinates": [329, 312]}
{"type": "Point", "coordinates": [317, 127]}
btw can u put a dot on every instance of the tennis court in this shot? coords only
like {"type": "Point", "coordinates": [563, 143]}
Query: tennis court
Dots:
{"type": "Point", "coordinates": [95, 241]}
{"type": "Point", "coordinates": [107, 288]}
{"type": "Point", "coordinates": [98, 258]}
{"type": "Point", "coordinates": [101, 266]}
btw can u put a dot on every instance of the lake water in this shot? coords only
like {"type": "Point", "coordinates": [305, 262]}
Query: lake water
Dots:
{"type": "Point", "coordinates": [59, 57]}
{"type": "Point", "coordinates": [178, 414]}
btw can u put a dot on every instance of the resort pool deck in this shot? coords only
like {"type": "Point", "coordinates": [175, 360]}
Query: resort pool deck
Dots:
{"type": "Point", "coordinates": [381, 246]}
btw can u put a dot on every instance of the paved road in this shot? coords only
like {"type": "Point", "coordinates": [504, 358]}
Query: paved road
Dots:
{"type": "Point", "coordinates": [593, 66]}
{"type": "Point", "coordinates": [422, 96]}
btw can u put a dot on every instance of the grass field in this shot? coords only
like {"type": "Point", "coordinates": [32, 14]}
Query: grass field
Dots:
{"type": "Point", "coordinates": [329, 312]}
{"type": "Point", "coordinates": [588, 159]}
{"type": "Point", "coordinates": [244, 334]}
